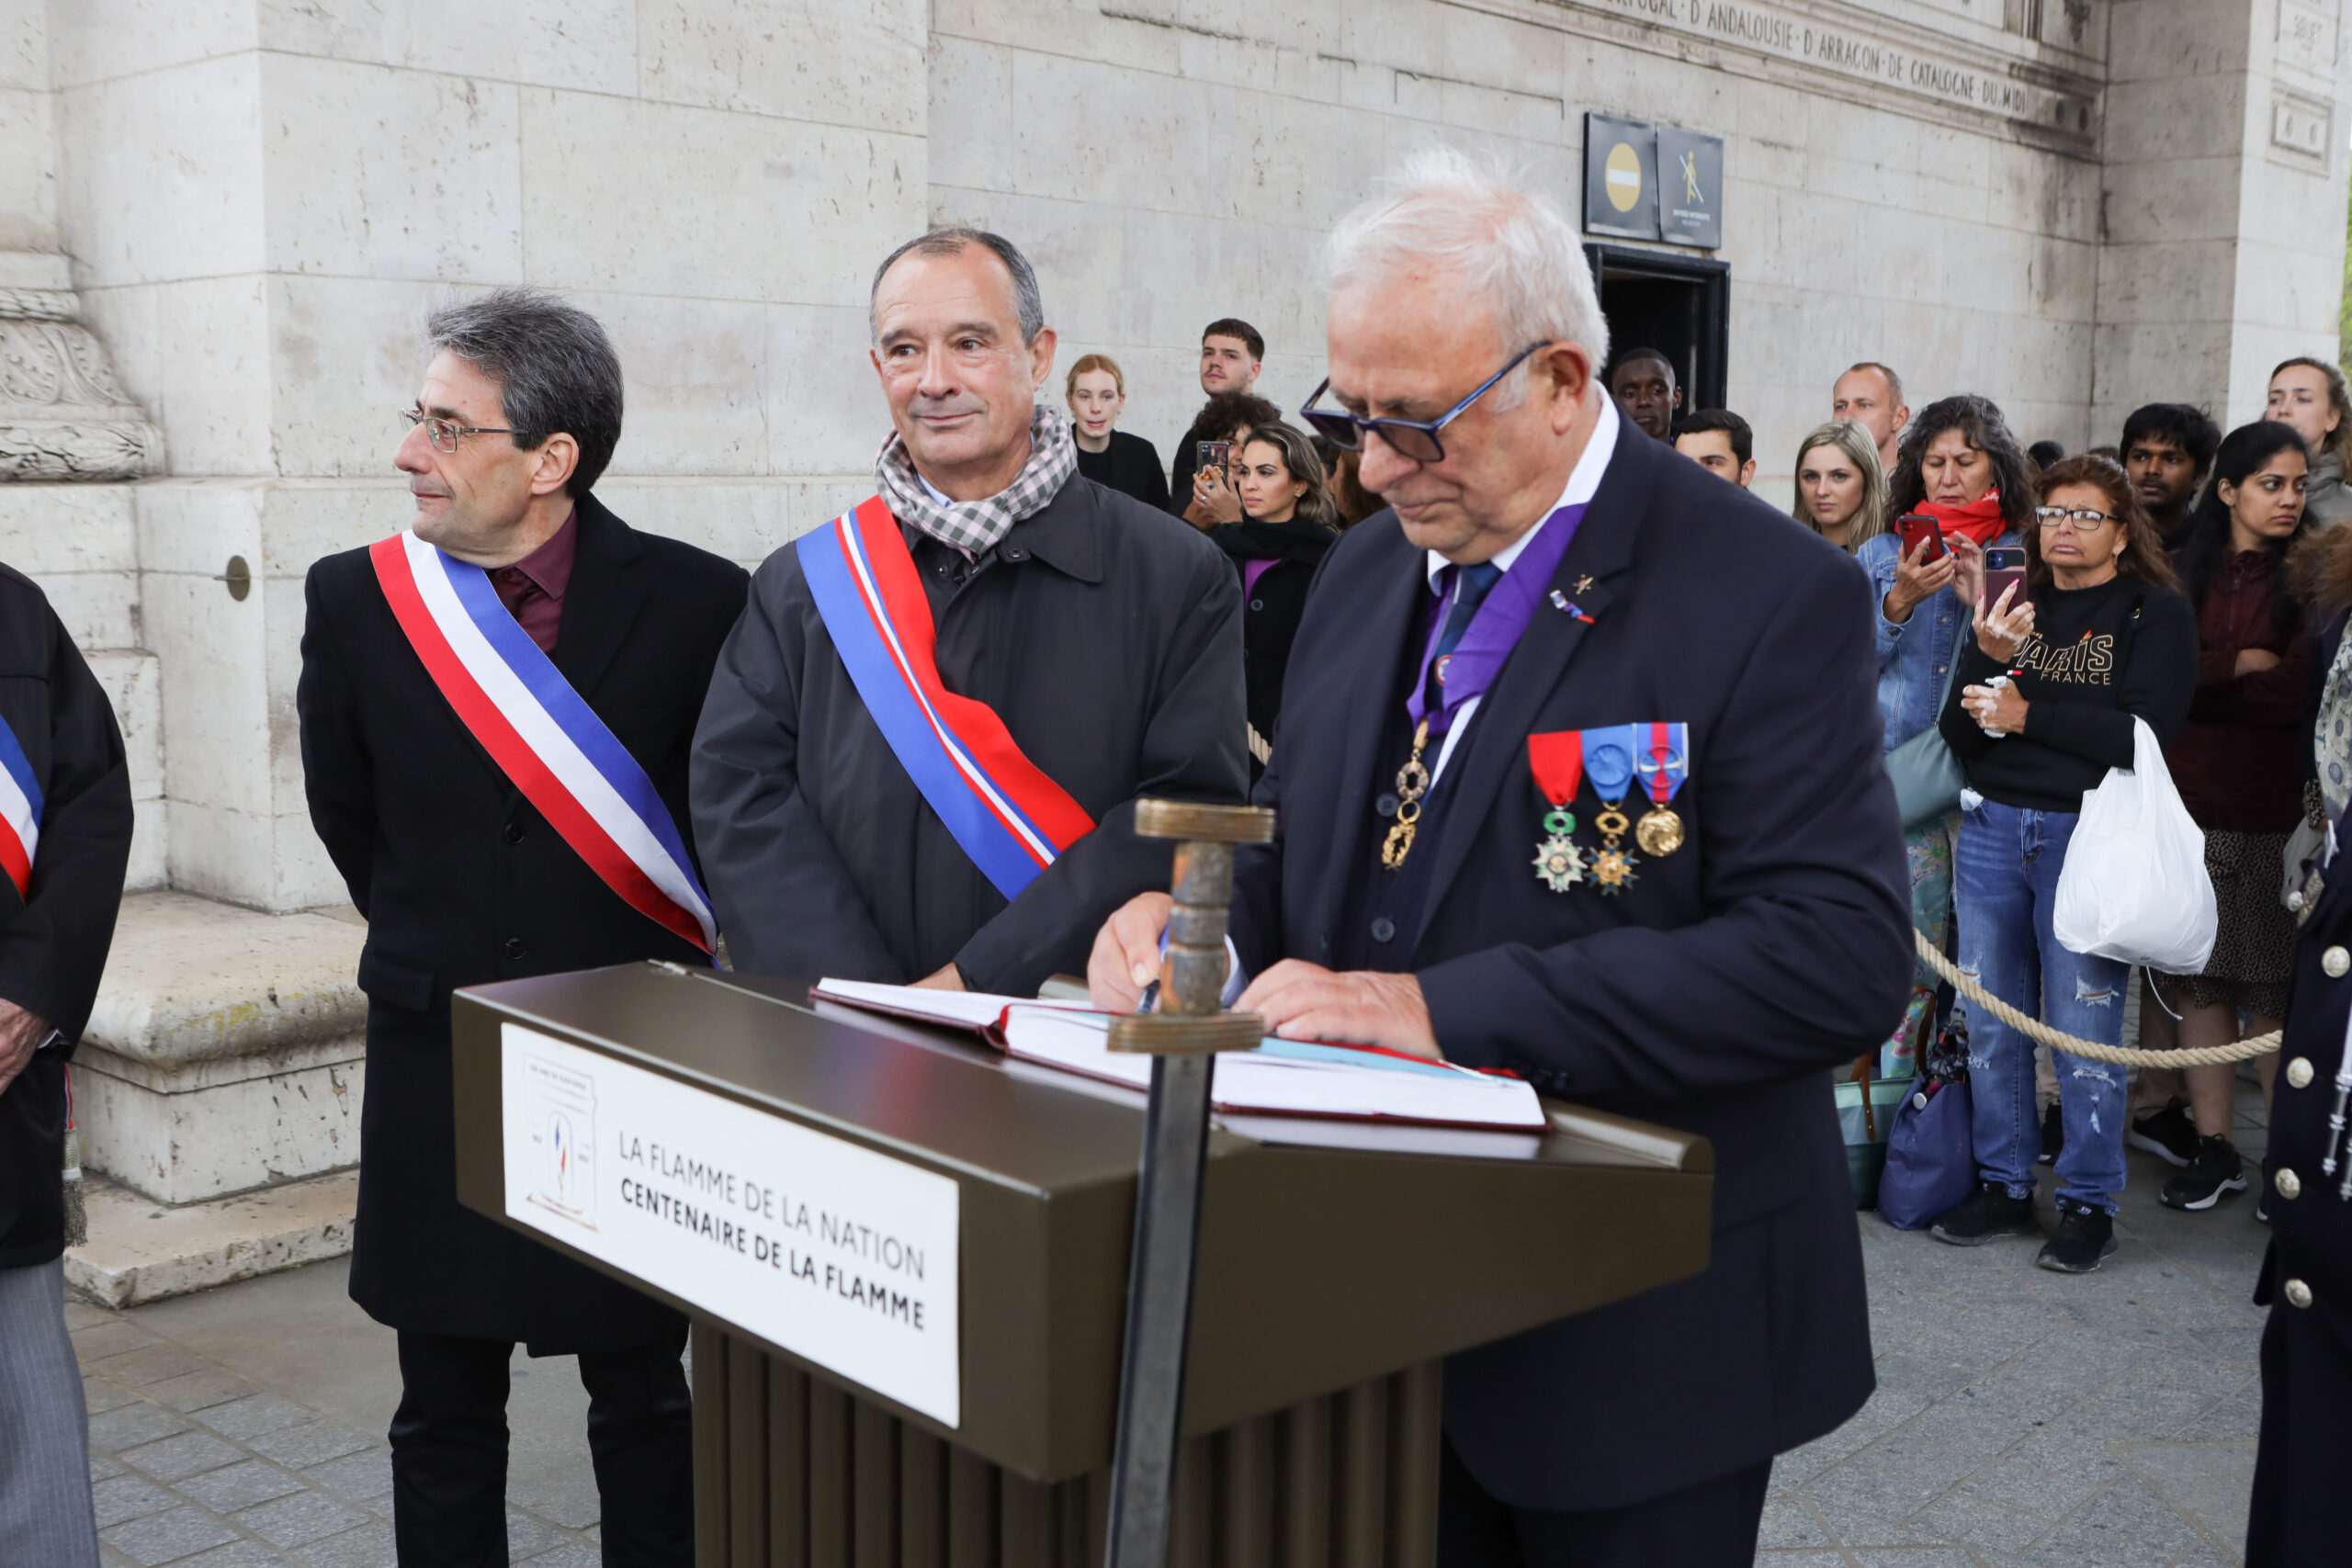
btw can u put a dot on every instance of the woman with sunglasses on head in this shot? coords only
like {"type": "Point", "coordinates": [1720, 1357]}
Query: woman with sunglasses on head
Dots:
{"type": "Point", "coordinates": [1288, 521]}
{"type": "Point", "coordinates": [2046, 699]}
{"type": "Point", "coordinates": [2240, 764]}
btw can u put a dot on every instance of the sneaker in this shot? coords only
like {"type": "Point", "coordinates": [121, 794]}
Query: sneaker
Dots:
{"type": "Point", "coordinates": [2261, 1201]}
{"type": "Point", "coordinates": [2053, 1135]}
{"type": "Point", "coordinates": [2084, 1236]}
{"type": "Point", "coordinates": [2170, 1134]}
{"type": "Point", "coordinates": [1988, 1216]}
{"type": "Point", "coordinates": [2216, 1169]}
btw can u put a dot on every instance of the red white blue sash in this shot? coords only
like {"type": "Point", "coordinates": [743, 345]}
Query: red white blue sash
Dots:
{"type": "Point", "coordinates": [1008, 816]}
{"type": "Point", "coordinates": [542, 734]}
{"type": "Point", "coordinates": [21, 806]}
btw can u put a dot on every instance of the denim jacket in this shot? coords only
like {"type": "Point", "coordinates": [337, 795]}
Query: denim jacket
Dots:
{"type": "Point", "coordinates": [1913, 657]}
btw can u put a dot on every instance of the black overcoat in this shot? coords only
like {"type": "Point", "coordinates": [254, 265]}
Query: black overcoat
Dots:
{"type": "Point", "coordinates": [1105, 634]}
{"type": "Point", "coordinates": [1712, 995]}
{"type": "Point", "coordinates": [2296, 1516]}
{"type": "Point", "coordinates": [463, 882]}
{"type": "Point", "coordinates": [54, 946]}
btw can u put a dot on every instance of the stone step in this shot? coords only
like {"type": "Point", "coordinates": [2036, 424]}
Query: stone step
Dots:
{"type": "Point", "coordinates": [140, 1250]}
{"type": "Point", "coordinates": [217, 1088]}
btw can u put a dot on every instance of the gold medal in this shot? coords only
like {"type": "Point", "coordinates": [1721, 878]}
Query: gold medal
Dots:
{"type": "Point", "coordinates": [1659, 832]}
{"type": "Point", "coordinates": [1613, 869]}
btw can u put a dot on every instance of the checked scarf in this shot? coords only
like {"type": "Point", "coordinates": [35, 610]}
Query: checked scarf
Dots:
{"type": "Point", "coordinates": [977, 526]}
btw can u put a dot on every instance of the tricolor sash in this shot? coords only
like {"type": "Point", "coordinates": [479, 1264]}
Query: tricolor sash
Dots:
{"type": "Point", "coordinates": [20, 807]}
{"type": "Point", "coordinates": [541, 733]}
{"type": "Point", "coordinates": [1005, 813]}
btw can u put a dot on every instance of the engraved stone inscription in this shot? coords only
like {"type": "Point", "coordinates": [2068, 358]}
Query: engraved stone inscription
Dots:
{"type": "Point", "coordinates": [2307, 31]}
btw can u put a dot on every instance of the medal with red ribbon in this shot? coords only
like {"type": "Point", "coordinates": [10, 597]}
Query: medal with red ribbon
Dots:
{"type": "Point", "coordinates": [1662, 756]}
{"type": "Point", "coordinates": [1557, 762]}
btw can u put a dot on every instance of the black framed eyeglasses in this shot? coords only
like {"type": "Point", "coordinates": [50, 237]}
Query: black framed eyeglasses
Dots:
{"type": "Point", "coordinates": [1413, 439]}
{"type": "Point", "coordinates": [443, 433]}
{"type": "Point", "coordinates": [2085, 519]}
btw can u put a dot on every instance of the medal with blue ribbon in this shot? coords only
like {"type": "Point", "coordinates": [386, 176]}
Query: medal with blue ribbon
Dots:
{"type": "Point", "coordinates": [1608, 763]}
{"type": "Point", "coordinates": [1663, 758]}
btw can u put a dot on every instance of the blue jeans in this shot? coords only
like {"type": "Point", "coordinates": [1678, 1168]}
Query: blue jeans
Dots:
{"type": "Point", "coordinates": [2005, 881]}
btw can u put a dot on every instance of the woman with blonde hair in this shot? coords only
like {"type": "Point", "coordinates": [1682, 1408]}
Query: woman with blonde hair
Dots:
{"type": "Point", "coordinates": [2310, 394]}
{"type": "Point", "coordinates": [1841, 490]}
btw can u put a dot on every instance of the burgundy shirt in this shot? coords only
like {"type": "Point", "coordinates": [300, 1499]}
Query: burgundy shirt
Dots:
{"type": "Point", "coordinates": [532, 589]}
{"type": "Point", "coordinates": [2239, 760]}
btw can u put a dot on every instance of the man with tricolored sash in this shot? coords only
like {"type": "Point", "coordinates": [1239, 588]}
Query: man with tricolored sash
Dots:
{"type": "Point", "coordinates": [920, 754]}
{"type": "Point", "coordinates": [65, 823]}
{"type": "Point", "coordinates": [496, 705]}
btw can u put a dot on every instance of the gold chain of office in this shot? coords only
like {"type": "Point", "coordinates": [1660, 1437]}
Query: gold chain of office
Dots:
{"type": "Point", "coordinates": [2122, 1056]}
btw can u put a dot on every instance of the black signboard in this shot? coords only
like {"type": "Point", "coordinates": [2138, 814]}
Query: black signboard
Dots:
{"type": "Point", "coordinates": [1620, 177]}
{"type": "Point", "coordinates": [1690, 188]}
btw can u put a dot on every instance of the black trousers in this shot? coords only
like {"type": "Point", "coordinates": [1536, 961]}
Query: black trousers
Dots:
{"type": "Point", "coordinates": [2296, 1518]}
{"type": "Point", "coordinates": [1712, 1525]}
{"type": "Point", "coordinates": [449, 1453]}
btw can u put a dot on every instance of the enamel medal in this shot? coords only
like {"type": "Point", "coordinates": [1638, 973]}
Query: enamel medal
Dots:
{"type": "Point", "coordinates": [1557, 762]}
{"type": "Point", "coordinates": [1609, 759]}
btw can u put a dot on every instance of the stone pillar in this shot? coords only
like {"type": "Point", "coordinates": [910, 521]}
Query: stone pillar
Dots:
{"type": "Point", "coordinates": [2223, 202]}
{"type": "Point", "coordinates": [62, 416]}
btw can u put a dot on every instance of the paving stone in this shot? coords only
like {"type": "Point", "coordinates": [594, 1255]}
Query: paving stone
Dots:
{"type": "Point", "coordinates": [311, 1443]}
{"type": "Point", "coordinates": [248, 1418]}
{"type": "Point", "coordinates": [528, 1537]}
{"type": "Point", "coordinates": [2233, 1420]}
{"type": "Point", "coordinates": [80, 1315]}
{"type": "Point", "coordinates": [359, 1476]}
{"type": "Point", "coordinates": [1804, 1560]}
{"type": "Point", "coordinates": [128, 1497]}
{"type": "Point", "coordinates": [1976, 1521]}
{"type": "Point", "coordinates": [2236, 1343]}
{"type": "Point", "coordinates": [103, 1468]}
{"type": "Point", "coordinates": [570, 1554]}
{"type": "Point", "coordinates": [153, 1364]}
{"type": "Point", "coordinates": [1931, 1557]}
{"type": "Point", "coordinates": [1850, 1529]}
{"type": "Point", "coordinates": [196, 1390]}
{"type": "Point", "coordinates": [1789, 1524]}
{"type": "Point", "coordinates": [113, 1336]}
{"type": "Point", "coordinates": [2048, 1477]}
{"type": "Point", "coordinates": [2137, 1409]}
{"type": "Point", "coordinates": [237, 1554]}
{"type": "Point", "coordinates": [175, 1458]}
{"type": "Point", "coordinates": [2130, 1527]}
{"type": "Point", "coordinates": [128, 1425]}
{"type": "Point", "coordinates": [369, 1546]}
{"type": "Point", "coordinates": [100, 1395]}
{"type": "Point", "coordinates": [167, 1537]}
{"type": "Point", "coordinates": [235, 1486]}
{"type": "Point", "coordinates": [299, 1518]}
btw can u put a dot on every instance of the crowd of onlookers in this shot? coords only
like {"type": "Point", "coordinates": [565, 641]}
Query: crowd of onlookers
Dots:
{"type": "Point", "coordinates": [2032, 609]}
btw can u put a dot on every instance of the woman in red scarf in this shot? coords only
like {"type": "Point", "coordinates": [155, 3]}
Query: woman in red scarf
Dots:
{"type": "Point", "coordinates": [1959, 464]}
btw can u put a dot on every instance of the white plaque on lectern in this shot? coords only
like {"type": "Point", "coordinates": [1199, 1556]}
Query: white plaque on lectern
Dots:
{"type": "Point", "coordinates": [836, 1253]}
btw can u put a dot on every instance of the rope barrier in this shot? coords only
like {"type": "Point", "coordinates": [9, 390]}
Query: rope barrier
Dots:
{"type": "Point", "coordinates": [2035, 1029]}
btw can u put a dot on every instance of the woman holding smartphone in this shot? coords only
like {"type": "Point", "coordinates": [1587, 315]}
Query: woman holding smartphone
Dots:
{"type": "Point", "coordinates": [2046, 694]}
{"type": "Point", "coordinates": [1961, 475]}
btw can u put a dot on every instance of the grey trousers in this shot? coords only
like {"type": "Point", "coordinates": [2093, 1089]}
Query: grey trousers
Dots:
{"type": "Point", "coordinates": [45, 1512]}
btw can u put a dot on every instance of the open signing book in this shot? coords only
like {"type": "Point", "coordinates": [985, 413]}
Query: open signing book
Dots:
{"type": "Point", "coordinates": [1280, 1077]}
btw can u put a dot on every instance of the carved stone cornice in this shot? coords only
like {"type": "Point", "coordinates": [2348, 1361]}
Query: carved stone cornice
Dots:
{"type": "Point", "coordinates": [62, 415]}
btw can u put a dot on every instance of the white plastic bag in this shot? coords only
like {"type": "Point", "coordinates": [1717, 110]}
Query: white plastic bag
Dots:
{"type": "Point", "coordinates": [2134, 887]}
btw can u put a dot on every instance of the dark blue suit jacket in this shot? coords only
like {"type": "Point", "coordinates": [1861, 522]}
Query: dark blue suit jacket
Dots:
{"type": "Point", "coordinates": [1712, 995]}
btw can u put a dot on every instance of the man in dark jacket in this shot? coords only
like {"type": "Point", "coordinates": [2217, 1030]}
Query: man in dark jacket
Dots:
{"type": "Point", "coordinates": [937, 784]}
{"type": "Point", "coordinates": [450, 850]}
{"type": "Point", "coordinates": [64, 841]}
{"type": "Point", "coordinates": [1561, 627]}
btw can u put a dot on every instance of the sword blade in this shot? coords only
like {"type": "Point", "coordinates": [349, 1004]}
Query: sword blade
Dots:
{"type": "Point", "coordinates": [1159, 1310]}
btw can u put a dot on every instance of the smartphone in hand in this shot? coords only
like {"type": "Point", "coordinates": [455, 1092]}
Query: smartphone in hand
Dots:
{"type": "Point", "coordinates": [1917, 525]}
{"type": "Point", "coordinates": [2004, 565]}
{"type": "Point", "coordinates": [1210, 457]}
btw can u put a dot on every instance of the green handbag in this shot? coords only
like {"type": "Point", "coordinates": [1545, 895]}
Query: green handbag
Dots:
{"type": "Point", "coordinates": [1927, 780]}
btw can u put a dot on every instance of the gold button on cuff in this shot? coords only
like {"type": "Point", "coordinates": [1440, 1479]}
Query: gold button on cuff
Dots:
{"type": "Point", "coordinates": [2335, 961]}
{"type": "Point", "coordinates": [2299, 1073]}
{"type": "Point", "coordinates": [2290, 1185]}
{"type": "Point", "coordinates": [2298, 1293]}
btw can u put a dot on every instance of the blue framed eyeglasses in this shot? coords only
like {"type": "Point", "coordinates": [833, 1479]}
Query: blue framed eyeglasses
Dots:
{"type": "Point", "coordinates": [1412, 439]}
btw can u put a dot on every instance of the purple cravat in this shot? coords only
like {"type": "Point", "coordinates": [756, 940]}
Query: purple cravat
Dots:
{"type": "Point", "coordinates": [1472, 665]}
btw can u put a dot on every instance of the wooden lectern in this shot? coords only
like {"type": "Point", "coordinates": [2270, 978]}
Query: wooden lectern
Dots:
{"type": "Point", "coordinates": [905, 1259]}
